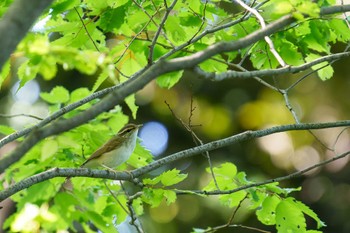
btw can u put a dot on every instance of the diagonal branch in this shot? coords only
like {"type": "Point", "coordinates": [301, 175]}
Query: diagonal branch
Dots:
{"type": "Point", "coordinates": [132, 175]}
{"type": "Point", "coordinates": [160, 29]}
{"type": "Point", "coordinates": [278, 179]}
{"type": "Point", "coordinates": [259, 73]}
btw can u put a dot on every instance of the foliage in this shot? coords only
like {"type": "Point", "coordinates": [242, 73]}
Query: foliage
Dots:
{"type": "Point", "coordinates": [116, 40]}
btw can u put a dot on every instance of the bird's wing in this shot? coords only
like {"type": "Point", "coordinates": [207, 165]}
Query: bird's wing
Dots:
{"type": "Point", "coordinates": [107, 147]}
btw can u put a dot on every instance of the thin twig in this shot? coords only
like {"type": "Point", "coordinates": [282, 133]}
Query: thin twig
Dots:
{"type": "Point", "coordinates": [115, 197]}
{"type": "Point", "coordinates": [229, 223]}
{"type": "Point", "coordinates": [87, 32]}
{"type": "Point", "coordinates": [21, 115]}
{"type": "Point", "coordinates": [231, 74]}
{"type": "Point", "coordinates": [210, 31]}
{"type": "Point", "coordinates": [160, 29]}
{"type": "Point", "coordinates": [134, 38]}
{"type": "Point", "coordinates": [203, 21]}
{"type": "Point", "coordinates": [154, 22]}
{"type": "Point", "coordinates": [134, 220]}
{"type": "Point", "coordinates": [195, 138]}
{"type": "Point", "coordinates": [263, 25]}
{"type": "Point", "coordinates": [257, 184]}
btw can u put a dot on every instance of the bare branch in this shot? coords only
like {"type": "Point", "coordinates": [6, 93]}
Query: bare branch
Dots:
{"type": "Point", "coordinates": [21, 115]}
{"type": "Point", "coordinates": [62, 172]}
{"type": "Point", "coordinates": [278, 179]}
{"type": "Point", "coordinates": [259, 73]}
{"type": "Point", "coordinates": [195, 138]}
{"type": "Point", "coordinates": [160, 29]}
{"type": "Point", "coordinates": [133, 175]}
{"type": "Point", "coordinates": [134, 38]}
{"type": "Point", "coordinates": [244, 136]}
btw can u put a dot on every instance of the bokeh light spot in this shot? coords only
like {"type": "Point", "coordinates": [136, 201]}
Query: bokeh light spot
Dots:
{"type": "Point", "coordinates": [154, 137]}
{"type": "Point", "coordinates": [29, 93]}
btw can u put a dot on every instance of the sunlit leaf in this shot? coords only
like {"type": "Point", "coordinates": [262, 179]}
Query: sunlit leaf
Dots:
{"type": "Point", "coordinates": [57, 95]}
{"type": "Point", "coordinates": [169, 80]}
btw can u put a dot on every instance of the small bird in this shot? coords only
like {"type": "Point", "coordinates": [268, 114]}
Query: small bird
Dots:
{"type": "Point", "coordinates": [115, 151]}
{"type": "Point", "coordinates": [111, 154]}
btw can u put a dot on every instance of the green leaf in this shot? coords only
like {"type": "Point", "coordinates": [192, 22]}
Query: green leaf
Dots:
{"type": "Point", "coordinates": [307, 7]}
{"type": "Point", "coordinates": [27, 72]}
{"type": "Point", "coordinates": [172, 177]}
{"type": "Point", "coordinates": [289, 53]}
{"type": "Point", "coordinates": [5, 72]}
{"type": "Point", "coordinates": [130, 101]}
{"type": "Point", "coordinates": [114, 209]}
{"type": "Point", "coordinates": [141, 156]}
{"type": "Point", "coordinates": [48, 68]}
{"type": "Point", "coordinates": [273, 187]}
{"type": "Point", "coordinates": [60, 6]}
{"type": "Point", "coordinates": [130, 65]}
{"type": "Point", "coordinates": [4, 129]}
{"type": "Point", "coordinates": [99, 221]}
{"type": "Point", "coordinates": [340, 29]}
{"type": "Point", "coordinates": [138, 206]}
{"type": "Point", "coordinates": [225, 176]}
{"type": "Point", "coordinates": [79, 94]}
{"type": "Point", "coordinates": [277, 8]}
{"type": "Point", "coordinates": [175, 30]}
{"type": "Point", "coordinates": [170, 79]}
{"type": "Point", "coordinates": [152, 197]}
{"type": "Point", "coordinates": [170, 196]}
{"type": "Point", "coordinates": [35, 193]}
{"type": "Point", "coordinates": [309, 212]}
{"type": "Point", "coordinates": [48, 149]}
{"type": "Point", "coordinates": [96, 5]}
{"type": "Point", "coordinates": [261, 56]}
{"type": "Point", "coordinates": [112, 18]}
{"type": "Point", "coordinates": [100, 79]}
{"type": "Point", "coordinates": [117, 119]}
{"type": "Point", "coordinates": [213, 66]}
{"type": "Point", "coordinates": [57, 95]}
{"type": "Point", "coordinates": [154, 181]}
{"type": "Point", "coordinates": [167, 178]}
{"type": "Point", "coordinates": [113, 3]}
{"type": "Point", "coordinates": [267, 213]}
{"type": "Point", "coordinates": [228, 170]}
{"type": "Point", "coordinates": [319, 37]}
{"type": "Point", "coordinates": [289, 218]}
{"type": "Point", "coordinates": [324, 73]}
{"type": "Point", "coordinates": [233, 199]}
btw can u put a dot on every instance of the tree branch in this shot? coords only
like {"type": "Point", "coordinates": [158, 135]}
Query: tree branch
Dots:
{"type": "Point", "coordinates": [62, 172]}
{"type": "Point", "coordinates": [130, 175]}
{"type": "Point", "coordinates": [278, 179]}
{"type": "Point", "coordinates": [259, 73]}
{"type": "Point", "coordinates": [244, 136]}
{"type": "Point", "coordinates": [263, 25]}
{"type": "Point", "coordinates": [16, 22]}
